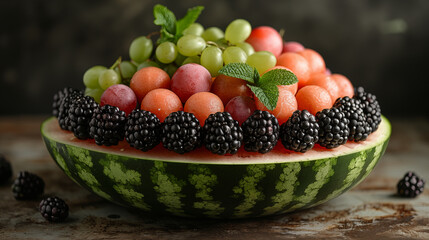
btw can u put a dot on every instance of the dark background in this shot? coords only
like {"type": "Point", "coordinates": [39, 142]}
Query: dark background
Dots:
{"type": "Point", "coordinates": [46, 45]}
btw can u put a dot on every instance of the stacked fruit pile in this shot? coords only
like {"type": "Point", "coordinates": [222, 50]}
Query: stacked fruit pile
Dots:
{"type": "Point", "coordinates": [219, 89]}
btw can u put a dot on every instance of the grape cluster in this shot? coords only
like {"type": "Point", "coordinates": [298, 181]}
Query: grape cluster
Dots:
{"type": "Point", "coordinates": [211, 47]}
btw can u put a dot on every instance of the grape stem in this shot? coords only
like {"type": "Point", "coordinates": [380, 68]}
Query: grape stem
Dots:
{"type": "Point", "coordinates": [153, 34]}
{"type": "Point", "coordinates": [214, 44]}
{"type": "Point", "coordinates": [282, 32]}
{"type": "Point", "coordinates": [116, 63]}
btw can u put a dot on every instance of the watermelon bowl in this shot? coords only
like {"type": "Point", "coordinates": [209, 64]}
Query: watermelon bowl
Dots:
{"type": "Point", "coordinates": [201, 184]}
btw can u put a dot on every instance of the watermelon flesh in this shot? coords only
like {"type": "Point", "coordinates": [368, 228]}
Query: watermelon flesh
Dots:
{"type": "Point", "coordinates": [202, 184]}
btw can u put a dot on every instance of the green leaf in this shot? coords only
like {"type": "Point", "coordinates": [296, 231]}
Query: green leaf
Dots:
{"type": "Point", "coordinates": [240, 70]}
{"type": "Point", "coordinates": [190, 17]}
{"type": "Point", "coordinates": [164, 18]}
{"type": "Point", "coordinates": [268, 95]}
{"type": "Point", "coordinates": [165, 37]}
{"type": "Point", "coordinates": [278, 77]}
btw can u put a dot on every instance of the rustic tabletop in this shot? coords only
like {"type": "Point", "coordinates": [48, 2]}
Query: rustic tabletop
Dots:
{"type": "Point", "coordinates": [371, 210]}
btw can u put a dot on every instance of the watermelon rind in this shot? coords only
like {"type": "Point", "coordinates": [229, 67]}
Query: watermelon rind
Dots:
{"type": "Point", "coordinates": [202, 184]}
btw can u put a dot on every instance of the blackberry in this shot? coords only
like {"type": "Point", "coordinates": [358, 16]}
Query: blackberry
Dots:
{"type": "Point", "coordinates": [300, 132]}
{"type": "Point", "coordinates": [333, 128]}
{"type": "Point", "coordinates": [63, 110]}
{"type": "Point", "coordinates": [143, 130]}
{"type": "Point", "coordinates": [27, 186]}
{"type": "Point", "coordinates": [222, 134]}
{"type": "Point", "coordinates": [181, 132]}
{"type": "Point", "coordinates": [370, 106]}
{"type": "Point", "coordinates": [410, 185]}
{"type": "Point", "coordinates": [5, 170]}
{"type": "Point", "coordinates": [352, 109]}
{"type": "Point", "coordinates": [107, 125]}
{"type": "Point", "coordinates": [54, 209]}
{"type": "Point", "coordinates": [79, 114]}
{"type": "Point", "coordinates": [59, 96]}
{"type": "Point", "coordinates": [260, 132]}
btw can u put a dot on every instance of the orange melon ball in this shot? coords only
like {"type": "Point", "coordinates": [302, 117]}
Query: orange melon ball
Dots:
{"type": "Point", "coordinates": [226, 88]}
{"type": "Point", "coordinates": [297, 64]}
{"type": "Point", "coordinates": [344, 85]}
{"type": "Point", "coordinates": [148, 79]}
{"type": "Point", "coordinates": [161, 102]}
{"type": "Point", "coordinates": [315, 61]}
{"type": "Point", "coordinates": [326, 82]}
{"type": "Point", "coordinates": [202, 104]}
{"type": "Point", "coordinates": [293, 87]}
{"type": "Point", "coordinates": [286, 105]}
{"type": "Point", "coordinates": [313, 98]}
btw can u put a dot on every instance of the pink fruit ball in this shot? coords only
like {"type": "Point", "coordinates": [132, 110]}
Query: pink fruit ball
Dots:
{"type": "Point", "coordinates": [240, 108]}
{"type": "Point", "coordinates": [120, 96]}
{"type": "Point", "coordinates": [292, 47]}
{"type": "Point", "coordinates": [189, 79]}
{"type": "Point", "coordinates": [266, 38]}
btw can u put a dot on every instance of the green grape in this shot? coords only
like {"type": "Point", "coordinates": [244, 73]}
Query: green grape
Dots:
{"type": "Point", "coordinates": [191, 45]}
{"type": "Point", "coordinates": [90, 77]}
{"type": "Point", "coordinates": [127, 69]}
{"type": "Point", "coordinates": [95, 93]}
{"type": "Point", "coordinates": [108, 78]}
{"type": "Point", "coordinates": [262, 61]}
{"type": "Point", "coordinates": [211, 58]}
{"type": "Point", "coordinates": [193, 59]}
{"type": "Point", "coordinates": [233, 55]}
{"type": "Point", "coordinates": [166, 52]}
{"type": "Point", "coordinates": [170, 69]}
{"type": "Point", "coordinates": [179, 59]}
{"type": "Point", "coordinates": [212, 34]}
{"type": "Point", "coordinates": [248, 49]}
{"type": "Point", "coordinates": [195, 29]}
{"type": "Point", "coordinates": [238, 31]}
{"type": "Point", "coordinates": [141, 49]}
{"type": "Point", "coordinates": [148, 63]}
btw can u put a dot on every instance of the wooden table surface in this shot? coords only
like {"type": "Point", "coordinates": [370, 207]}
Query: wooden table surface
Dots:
{"type": "Point", "coordinates": [370, 210]}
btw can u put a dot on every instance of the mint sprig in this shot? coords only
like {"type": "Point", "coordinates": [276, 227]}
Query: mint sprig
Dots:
{"type": "Point", "coordinates": [264, 87]}
{"type": "Point", "coordinates": [172, 29]}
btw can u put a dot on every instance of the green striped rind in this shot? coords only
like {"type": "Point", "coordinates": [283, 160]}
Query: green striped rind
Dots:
{"type": "Point", "coordinates": [214, 190]}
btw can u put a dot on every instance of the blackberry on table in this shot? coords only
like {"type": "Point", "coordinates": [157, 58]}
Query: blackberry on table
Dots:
{"type": "Point", "coordinates": [222, 134]}
{"type": "Point", "coordinates": [333, 128]}
{"type": "Point", "coordinates": [59, 96]}
{"type": "Point", "coordinates": [260, 132]}
{"type": "Point", "coordinates": [143, 130]}
{"type": "Point", "coordinates": [410, 185]}
{"type": "Point", "coordinates": [107, 125]}
{"type": "Point", "coordinates": [80, 113]}
{"type": "Point", "coordinates": [27, 186]}
{"type": "Point", "coordinates": [54, 209]}
{"type": "Point", "coordinates": [5, 170]}
{"type": "Point", "coordinates": [370, 106]}
{"type": "Point", "coordinates": [352, 109]}
{"type": "Point", "coordinates": [181, 132]}
{"type": "Point", "coordinates": [300, 132]}
{"type": "Point", "coordinates": [63, 110]}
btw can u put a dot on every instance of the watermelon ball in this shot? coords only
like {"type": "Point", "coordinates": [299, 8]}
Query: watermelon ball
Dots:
{"type": "Point", "coordinates": [190, 79]}
{"type": "Point", "coordinates": [161, 102]}
{"type": "Point", "coordinates": [313, 98]}
{"type": "Point", "coordinates": [292, 47]}
{"type": "Point", "coordinates": [120, 96]}
{"type": "Point", "coordinates": [266, 38]}
{"type": "Point", "coordinates": [203, 104]}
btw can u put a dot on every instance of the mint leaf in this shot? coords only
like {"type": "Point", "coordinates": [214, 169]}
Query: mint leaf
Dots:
{"type": "Point", "coordinates": [190, 17]}
{"type": "Point", "coordinates": [268, 95]}
{"type": "Point", "coordinates": [164, 18]}
{"type": "Point", "coordinates": [278, 77]}
{"type": "Point", "coordinates": [240, 70]}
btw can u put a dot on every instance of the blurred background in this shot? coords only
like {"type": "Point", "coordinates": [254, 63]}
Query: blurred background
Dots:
{"type": "Point", "coordinates": [46, 45]}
